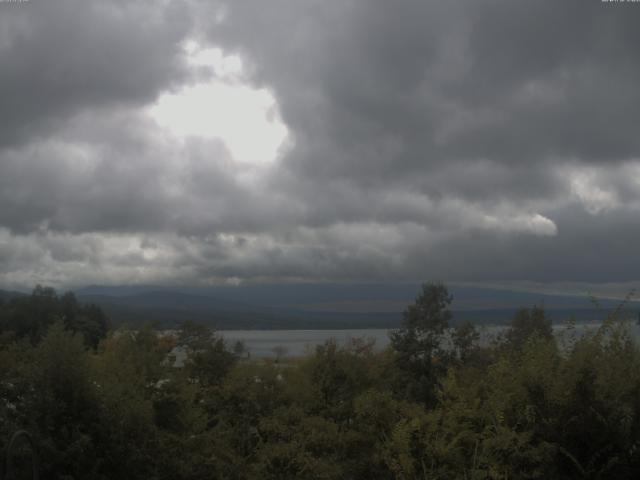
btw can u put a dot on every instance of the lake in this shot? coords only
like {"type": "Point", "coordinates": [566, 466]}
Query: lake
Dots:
{"type": "Point", "coordinates": [261, 343]}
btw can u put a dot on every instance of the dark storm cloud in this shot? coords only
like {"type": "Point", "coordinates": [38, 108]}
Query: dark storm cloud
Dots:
{"type": "Point", "coordinates": [584, 250]}
{"type": "Point", "coordinates": [464, 140]}
{"type": "Point", "coordinates": [379, 89]}
{"type": "Point", "coordinates": [64, 56]}
{"type": "Point", "coordinates": [128, 180]}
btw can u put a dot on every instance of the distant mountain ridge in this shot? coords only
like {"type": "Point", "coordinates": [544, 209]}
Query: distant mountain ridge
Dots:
{"type": "Point", "coordinates": [323, 305]}
{"type": "Point", "coordinates": [306, 293]}
{"type": "Point", "coordinates": [9, 294]}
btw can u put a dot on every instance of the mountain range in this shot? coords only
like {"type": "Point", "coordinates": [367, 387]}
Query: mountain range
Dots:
{"type": "Point", "coordinates": [318, 306]}
{"type": "Point", "coordinates": [325, 305]}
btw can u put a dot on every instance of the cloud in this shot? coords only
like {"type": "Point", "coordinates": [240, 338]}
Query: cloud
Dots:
{"type": "Point", "coordinates": [199, 141]}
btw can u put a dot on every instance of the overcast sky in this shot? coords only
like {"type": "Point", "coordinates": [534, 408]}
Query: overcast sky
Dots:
{"type": "Point", "coordinates": [186, 142]}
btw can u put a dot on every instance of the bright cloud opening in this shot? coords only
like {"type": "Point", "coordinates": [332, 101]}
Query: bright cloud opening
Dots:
{"type": "Point", "coordinates": [534, 224]}
{"type": "Point", "coordinates": [246, 119]}
{"type": "Point", "coordinates": [596, 200]}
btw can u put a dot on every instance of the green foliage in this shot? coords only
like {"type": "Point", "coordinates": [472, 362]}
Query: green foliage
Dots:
{"type": "Point", "coordinates": [524, 407]}
{"type": "Point", "coordinates": [464, 340]}
{"type": "Point", "coordinates": [528, 322]}
{"type": "Point", "coordinates": [338, 374]}
{"type": "Point", "coordinates": [30, 316]}
{"type": "Point", "coordinates": [294, 444]}
{"type": "Point", "coordinates": [208, 360]}
{"type": "Point", "coordinates": [418, 344]}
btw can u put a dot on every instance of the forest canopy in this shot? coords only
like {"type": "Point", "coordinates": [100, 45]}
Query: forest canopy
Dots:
{"type": "Point", "coordinates": [437, 403]}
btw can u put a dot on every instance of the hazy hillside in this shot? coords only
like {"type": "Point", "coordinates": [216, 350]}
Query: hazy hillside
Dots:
{"type": "Point", "coordinates": [323, 305]}
{"type": "Point", "coordinates": [8, 294]}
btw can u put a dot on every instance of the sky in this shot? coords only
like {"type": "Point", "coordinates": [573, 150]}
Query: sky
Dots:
{"type": "Point", "coordinates": [205, 142]}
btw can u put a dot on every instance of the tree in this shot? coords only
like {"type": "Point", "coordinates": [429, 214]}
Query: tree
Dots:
{"type": "Point", "coordinates": [239, 348]}
{"type": "Point", "coordinates": [64, 405]}
{"type": "Point", "coordinates": [527, 322]}
{"type": "Point", "coordinates": [208, 360]}
{"type": "Point", "coordinates": [280, 352]}
{"type": "Point", "coordinates": [418, 344]}
{"type": "Point", "coordinates": [31, 316]}
{"type": "Point", "coordinates": [338, 374]}
{"type": "Point", "coordinates": [464, 339]}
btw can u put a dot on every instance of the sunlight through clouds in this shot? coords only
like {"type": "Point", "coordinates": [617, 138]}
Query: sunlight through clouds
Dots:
{"type": "Point", "coordinates": [335, 141]}
{"type": "Point", "coordinates": [584, 186]}
{"type": "Point", "coordinates": [246, 119]}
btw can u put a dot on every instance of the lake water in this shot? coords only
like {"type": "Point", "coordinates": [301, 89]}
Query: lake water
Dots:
{"type": "Point", "coordinates": [261, 343]}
